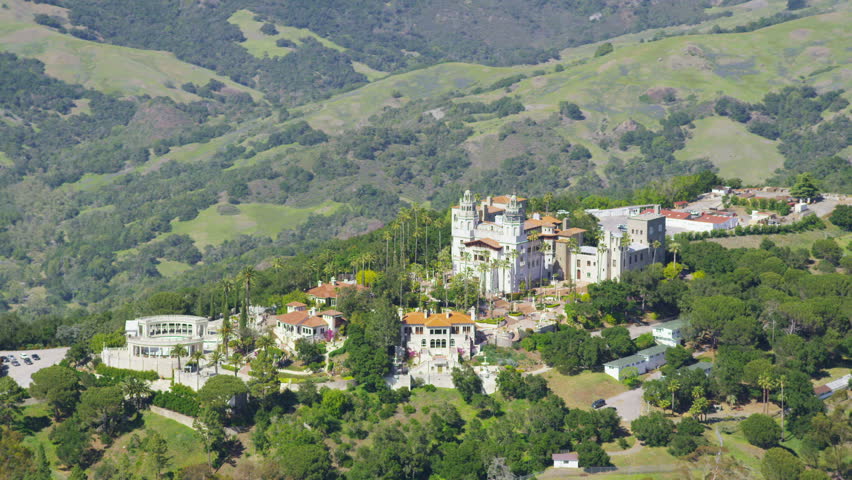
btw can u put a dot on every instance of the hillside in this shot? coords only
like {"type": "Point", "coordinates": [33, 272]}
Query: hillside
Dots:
{"type": "Point", "coordinates": [137, 148]}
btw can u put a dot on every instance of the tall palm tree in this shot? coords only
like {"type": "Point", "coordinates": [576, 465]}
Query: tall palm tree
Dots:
{"type": "Point", "coordinates": [215, 357]}
{"type": "Point", "coordinates": [225, 333]}
{"type": "Point", "coordinates": [387, 236]}
{"type": "Point", "coordinates": [238, 360]}
{"type": "Point", "coordinates": [601, 251]}
{"type": "Point", "coordinates": [765, 382]}
{"type": "Point", "coordinates": [227, 288]}
{"type": "Point", "coordinates": [513, 257]}
{"type": "Point", "coordinates": [656, 246]}
{"type": "Point", "coordinates": [674, 247]}
{"type": "Point", "coordinates": [573, 247]}
{"type": "Point", "coordinates": [247, 275]}
{"type": "Point", "coordinates": [277, 264]}
{"type": "Point", "coordinates": [673, 387]}
{"type": "Point", "coordinates": [196, 357]}
{"type": "Point", "coordinates": [179, 351]}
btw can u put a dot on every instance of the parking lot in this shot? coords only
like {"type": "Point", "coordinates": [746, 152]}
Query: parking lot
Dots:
{"type": "Point", "coordinates": [23, 373]}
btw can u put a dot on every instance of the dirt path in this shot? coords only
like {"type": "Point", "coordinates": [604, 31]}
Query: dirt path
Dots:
{"type": "Point", "coordinates": [635, 448]}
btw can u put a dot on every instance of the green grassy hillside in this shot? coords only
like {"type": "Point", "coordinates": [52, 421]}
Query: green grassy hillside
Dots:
{"type": "Point", "coordinates": [108, 68]}
{"type": "Point", "coordinates": [736, 151]}
{"type": "Point", "coordinates": [212, 227]}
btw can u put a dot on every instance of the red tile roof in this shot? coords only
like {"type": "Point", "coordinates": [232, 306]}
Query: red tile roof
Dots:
{"type": "Point", "coordinates": [296, 304]}
{"type": "Point", "coordinates": [496, 209]}
{"type": "Point", "coordinates": [505, 199]}
{"type": "Point", "coordinates": [675, 215]}
{"type": "Point", "coordinates": [436, 319]}
{"type": "Point", "coordinates": [570, 232]}
{"type": "Point", "coordinates": [314, 322]}
{"type": "Point", "coordinates": [292, 318]}
{"type": "Point", "coordinates": [717, 219]}
{"type": "Point", "coordinates": [331, 313]}
{"type": "Point", "coordinates": [487, 242]}
{"type": "Point", "coordinates": [331, 290]}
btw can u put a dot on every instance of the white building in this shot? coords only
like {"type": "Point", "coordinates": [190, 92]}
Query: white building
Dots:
{"type": "Point", "coordinates": [644, 361]}
{"type": "Point", "coordinates": [699, 221]}
{"type": "Point", "coordinates": [299, 322]}
{"type": "Point", "coordinates": [669, 333]}
{"type": "Point", "coordinates": [490, 243]}
{"type": "Point", "coordinates": [566, 460]}
{"type": "Point", "coordinates": [156, 336]}
{"type": "Point", "coordinates": [439, 338]}
{"type": "Point", "coordinates": [623, 247]}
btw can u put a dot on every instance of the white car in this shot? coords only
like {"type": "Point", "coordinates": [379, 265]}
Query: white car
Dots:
{"type": "Point", "coordinates": [24, 355]}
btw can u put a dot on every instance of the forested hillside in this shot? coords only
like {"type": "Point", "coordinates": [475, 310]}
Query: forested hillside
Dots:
{"type": "Point", "coordinates": [109, 192]}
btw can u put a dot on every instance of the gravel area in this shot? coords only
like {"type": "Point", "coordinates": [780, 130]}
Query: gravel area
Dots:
{"type": "Point", "coordinates": [23, 373]}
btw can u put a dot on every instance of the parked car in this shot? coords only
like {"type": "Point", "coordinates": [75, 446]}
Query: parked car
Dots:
{"type": "Point", "coordinates": [15, 363]}
{"type": "Point", "coordinates": [28, 361]}
{"type": "Point", "coordinates": [598, 403]}
{"type": "Point", "coordinates": [36, 357]}
{"type": "Point", "coordinates": [24, 355]}
{"type": "Point", "coordinates": [3, 358]}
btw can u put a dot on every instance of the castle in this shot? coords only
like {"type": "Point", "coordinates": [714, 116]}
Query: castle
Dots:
{"type": "Point", "coordinates": [495, 242]}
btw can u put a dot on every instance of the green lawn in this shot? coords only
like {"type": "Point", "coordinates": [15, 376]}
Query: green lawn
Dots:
{"type": "Point", "coordinates": [211, 228]}
{"type": "Point", "coordinates": [184, 447]}
{"type": "Point", "coordinates": [171, 268]}
{"type": "Point", "coordinates": [108, 68]}
{"type": "Point", "coordinates": [737, 446]}
{"type": "Point", "coordinates": [793, 240]}
{"type": "Point", "coordinates": [579, 391]}
{"type": "Point", "coordinates": [37, 419]}
{"type": "Point", "coordinates": [736, 151]}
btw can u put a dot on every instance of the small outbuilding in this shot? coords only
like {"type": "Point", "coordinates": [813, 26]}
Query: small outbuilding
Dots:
{"type": "Point", "coordinates": [566, 460]}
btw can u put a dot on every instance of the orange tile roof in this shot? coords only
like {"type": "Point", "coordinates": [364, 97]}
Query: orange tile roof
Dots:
{"type": "Point", "coordinates": [292, 318]}
{"type": "Point", "coordinates": [495, 209]}
{"type": "Point", "coordinates": [570, 232]}
{"type": "Point", "coordinates": [437, 319]}
{"type": "Point", "coordinates": [488, 242]}
{"type": "Point", "coordinates": [314, 322]}
{"type": "Point", "coordinates": [296, 304]}
{"type": "Point", "coordinates": [675, 215]}
{"type": "Point", "coordinates": [717, 219]}
{"type": "Point", "coordinates": [331, 313]}
{"type": "Point", "coordinates": [331, 290]}
{"type": "Point", "coordinates": [505, 199]}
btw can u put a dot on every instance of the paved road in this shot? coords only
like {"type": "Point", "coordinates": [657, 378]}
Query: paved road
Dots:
{"type": "Point", "coordinates": [23, 373]}
{"type": "Point", "coordinates": [629, 404]}
{"type": "Point", "coordinates": [636, 329]}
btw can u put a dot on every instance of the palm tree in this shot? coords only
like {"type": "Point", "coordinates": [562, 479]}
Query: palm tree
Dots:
{"type": "Point", "coordinates": [574, 248]}
{"type": "Point", "coordinates": [513, 257]}
{"type": "Point", "coordinates": [227, 288]}
{"type": "Point", "coordinates": [136, 389]}
{"type": "Point", "coordinates": [781, 381]}
{"type": "Point", "coordinates": [196, 357]}
{"type": "Point", "coordinates": [765, 382]}
{"type": "Point", "coordinates": [225, 333]}
{"type": "Point", "coordinates": [247, 275]}
{"type": "Point", "coordinates": [387, 236]}
{"type": "Point", "coordinates": [179, 351]}
{"type": "Point", "coordinates": [277, 264]}
{"type": "Point", "coordinates": [673, 387]}
{"type": "Point", "coordinates": [674, 247]}
{"type": "Point", "coordinates": [264, 342]}
{"type": "Point", "coordinates": [601, 251]}
{"type": "Point", "coordinates": [238, 360]}
{"type": "Point", "coordinates": [656, 246]}
{"type": "Point", "coordinates": [215, 357]}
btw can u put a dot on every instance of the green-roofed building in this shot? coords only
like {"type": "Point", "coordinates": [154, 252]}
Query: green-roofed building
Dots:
{"type": "Point", "coordinates": [644, 361]}
{"type": "Point", "coordinates": [670, 333]}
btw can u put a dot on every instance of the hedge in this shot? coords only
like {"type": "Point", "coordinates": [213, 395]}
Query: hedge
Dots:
{"type": "Point", "coordinates": [811, 222]}
{"type": "Point", "coordinates": [181, 399]}
{"type": "Point", "coordinates": [117, 375]}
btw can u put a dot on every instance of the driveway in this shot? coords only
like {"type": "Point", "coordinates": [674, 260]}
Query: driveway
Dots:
{"type": "Point", "coordinates": [635, 329]}
{"type": "Point", "coordinates": [23, 373]}
{"type": "Point", "coordinates": [629, 404]}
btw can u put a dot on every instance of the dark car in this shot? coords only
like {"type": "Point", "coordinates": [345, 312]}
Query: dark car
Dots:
{"type": "Point", "coordinates": [15, 363]}
{"type": "Point", "coordinates": [598, 403]}
{"type": "Point", "coordinates": [28, 361]}
{"type": "Point", "coordinates": [36, 357]}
